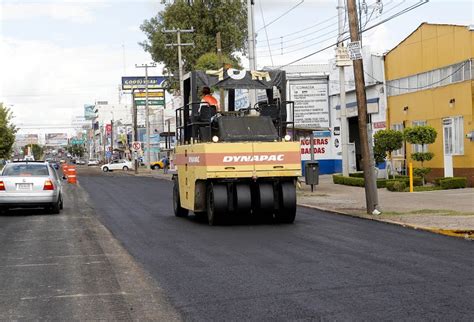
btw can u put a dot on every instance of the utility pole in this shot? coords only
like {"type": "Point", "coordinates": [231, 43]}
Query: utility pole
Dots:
{"type": "Point", "coordinates": [221, 63]}
{"type": "Point", "coordinates": [342, 90]}
{"type": "Point", "coordinates": [147, 111]}
{"type": "Point", "coordinates": [371, 196]}
{"type": "Point", "coordinates": [251, 48]}
{"type": "Point", "coordinates": [135, 130]}
{"type": "Point", "coordinates": [179, 44]}
{"type": "Point", "coordinates": [112, 137]}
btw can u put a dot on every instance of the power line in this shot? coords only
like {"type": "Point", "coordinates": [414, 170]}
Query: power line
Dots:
{"type": "Point", "coordinates": [414, 6]}
{"type": "Point", "coordinates": [280, 16]}
{"type": "Point", "coordinates": [266, 33]}
{"type": "Point", "coordinates": [322, 35]}
{"type": "Point", "coordinates": [279, 40]}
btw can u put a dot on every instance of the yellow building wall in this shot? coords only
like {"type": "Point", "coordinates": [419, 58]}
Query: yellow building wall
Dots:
{"type": "Point", "coordinates": [432, 106]}
{"type": "Point", "coordinates": [427, 48]}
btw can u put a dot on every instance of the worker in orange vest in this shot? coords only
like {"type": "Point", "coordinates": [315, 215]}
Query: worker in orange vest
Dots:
{"type": "Point", "coordinates": [208, 98]}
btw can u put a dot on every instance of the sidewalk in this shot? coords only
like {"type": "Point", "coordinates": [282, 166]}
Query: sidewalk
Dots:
{"type": "Point", "coordinates": [449, 212]}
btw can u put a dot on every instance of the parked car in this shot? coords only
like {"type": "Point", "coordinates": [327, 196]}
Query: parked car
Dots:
{"type": "Point", "coordinates": [30, 185]}
{"type": "Point", "coordinates": [119, 164]}
{"type": "Point", "coordinates": [93, 162]}
{"type": "Point", "coordinates": [157, 164]}
{"type": "Point", "coordinates": [80, 162]}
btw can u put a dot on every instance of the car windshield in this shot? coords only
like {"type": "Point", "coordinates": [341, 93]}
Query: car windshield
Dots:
{"type": "Point", "coordinates": [26, 170]}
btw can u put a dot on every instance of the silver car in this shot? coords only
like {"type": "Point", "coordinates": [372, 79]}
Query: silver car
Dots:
{"type": "Point", "coordinates": [30, 185]}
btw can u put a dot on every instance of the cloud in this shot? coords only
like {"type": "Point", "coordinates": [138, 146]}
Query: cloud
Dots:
{"type": "Point", "coordinates": [47, 83]}
{"type": "Point", "coordinates": [69, 11]}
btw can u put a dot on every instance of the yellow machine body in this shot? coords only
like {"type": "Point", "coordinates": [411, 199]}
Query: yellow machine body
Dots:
{"type": "Point", "coordinates": [239, 161]}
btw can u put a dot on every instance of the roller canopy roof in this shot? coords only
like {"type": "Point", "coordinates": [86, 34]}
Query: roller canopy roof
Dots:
{"type": "Point", "coordinates": [234, 79]}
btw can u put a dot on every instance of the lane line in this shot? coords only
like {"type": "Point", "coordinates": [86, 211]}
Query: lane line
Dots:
{"type": "Point", "coordinates": [28, 298]}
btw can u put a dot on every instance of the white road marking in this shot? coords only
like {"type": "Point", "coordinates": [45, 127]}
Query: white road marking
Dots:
{"type": "Point", "coordinates": [73, 296]}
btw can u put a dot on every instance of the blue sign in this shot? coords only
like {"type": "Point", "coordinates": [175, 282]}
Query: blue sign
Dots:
{"type": "Point", "coordinates": [322, 134]}
{"type": "Point", "coordinates": [138, 82]}
{"type": "Point", "coordinates": [108, 154]}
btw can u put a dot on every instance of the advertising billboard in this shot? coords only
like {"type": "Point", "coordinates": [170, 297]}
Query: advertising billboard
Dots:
{"type": "Point", "coordinates": [89, 111]}
{"type": "Point", "coordinates": [25, 139]}
{"type": "Point", "coordinates": [56, 139]}
{"type": "Point", "coordinates": [138, 82]}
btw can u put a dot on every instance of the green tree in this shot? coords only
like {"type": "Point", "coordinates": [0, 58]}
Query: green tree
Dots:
{"type": "Point", "coordinates": [423, 135]}
{"type": "Point", "coordinates": [7, 132]}
{"type": "Point", "coordinates": [387, 141]}
{"type": "Point", "coordinates": [76, 150]}
{"type": "Point", "coordinates": [36, 150]}
{"type": "Point", "coordinates": [207, 17]}
{"type": "Point", "coordinates": [210, 61]}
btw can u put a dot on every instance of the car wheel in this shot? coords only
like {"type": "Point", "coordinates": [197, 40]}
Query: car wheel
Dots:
{"type": "Point", "coordinates": [125, 168]}
{"type": "Point", "coordinates": [61, 205]}
{"type": "Point", "coordinates": [153, 167]}
{"type": "Point", "coordinates": [105, 169]}
{"type": "Point", "coordinates": [56, 207]}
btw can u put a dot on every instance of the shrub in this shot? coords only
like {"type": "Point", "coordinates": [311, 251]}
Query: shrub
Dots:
{"type": "Point", "coordinates": [337, 179]}
{"type": "Point", "coordinates": [396, 185]}
{"type": "Point", "coordinates": [381, 183]}
{"type": "Point", "coordinates": [417, 181]}
{"type": "Point", "coordinates": [354, 181]}
{"type": "Point", "coordinates": [356, 174]}
{"type": "Point", "coordinates": [453, 183]}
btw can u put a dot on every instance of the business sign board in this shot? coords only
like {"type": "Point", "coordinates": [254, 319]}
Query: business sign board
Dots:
{"type": "Point", "coordinates": [311, 105]}
{"type": "Point", "coordinates": [76, 141]}
{"type": "Point", "coordinates": [89, 111]}
{"type": "Point", "coordinates": [56, 139]}
{"type": "Point", "coordinates": [150, 102]}
{"type": "Point", "coordinates": [138, 82]}
{"type": "Point", "coordinates": [25, 139]}
{"type": "Point", "coordinates": [142, 95]}
{"type": "Point", "coordinates": [322, 148]}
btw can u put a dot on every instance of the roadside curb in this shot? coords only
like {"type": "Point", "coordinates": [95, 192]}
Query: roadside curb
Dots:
{"type": "Point", "coordinates": [467, 234]}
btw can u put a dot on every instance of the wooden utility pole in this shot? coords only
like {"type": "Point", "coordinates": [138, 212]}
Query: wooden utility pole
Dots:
{"type": "Point", "coordinates": [112, 137]}
{"type": "Point", "coordinates": [221, 63]}
{"type": "Point", "coordinates": [368, 166]}
{"type": "Point", "coordinates": [179, 44]}
{"type": "Point", "coordinates": [135, 130]}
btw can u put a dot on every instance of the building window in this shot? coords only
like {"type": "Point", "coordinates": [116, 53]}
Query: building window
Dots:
{"type": "Point", "coordinates": [434, 78]}
{"type": "Point", "coordinates": [419, 147]}
{"type": "Point", "coordinates": [458, 137]}
{"type": "Point", "coordinates": [399, 152]}
{"type": "Point", "coordinates": [453, 136]}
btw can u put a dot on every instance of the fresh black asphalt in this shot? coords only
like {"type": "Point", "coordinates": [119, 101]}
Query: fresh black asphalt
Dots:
{"type": "Point", "coordinates": [324, 266]}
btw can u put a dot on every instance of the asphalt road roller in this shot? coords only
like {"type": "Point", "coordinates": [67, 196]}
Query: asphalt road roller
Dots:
{"type": "Point", "coordinates": [236, 160]}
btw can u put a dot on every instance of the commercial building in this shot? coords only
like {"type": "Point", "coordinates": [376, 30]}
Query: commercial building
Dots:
{"type": "Point", "coordinates": [429, 79]}
{"type": "Point", "coordinates": [376, 105]}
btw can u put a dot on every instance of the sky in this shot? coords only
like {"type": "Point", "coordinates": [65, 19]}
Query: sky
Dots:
{"type": "Point", "coordinates": [57, 55]}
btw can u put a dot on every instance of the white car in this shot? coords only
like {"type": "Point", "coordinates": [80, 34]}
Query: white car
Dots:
{"type": "Point", "coordinates": [117, 165]}
{"type": "Point", "coordinates": [93, 162]}
{"type": "Point", "coordinates": [30, 185]}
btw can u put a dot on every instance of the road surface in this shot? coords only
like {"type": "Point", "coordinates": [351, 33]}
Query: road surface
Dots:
{"type": "Point", "coordinates": [69, 267]}
{"type": "Point", "coordinates": [324, 266]}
